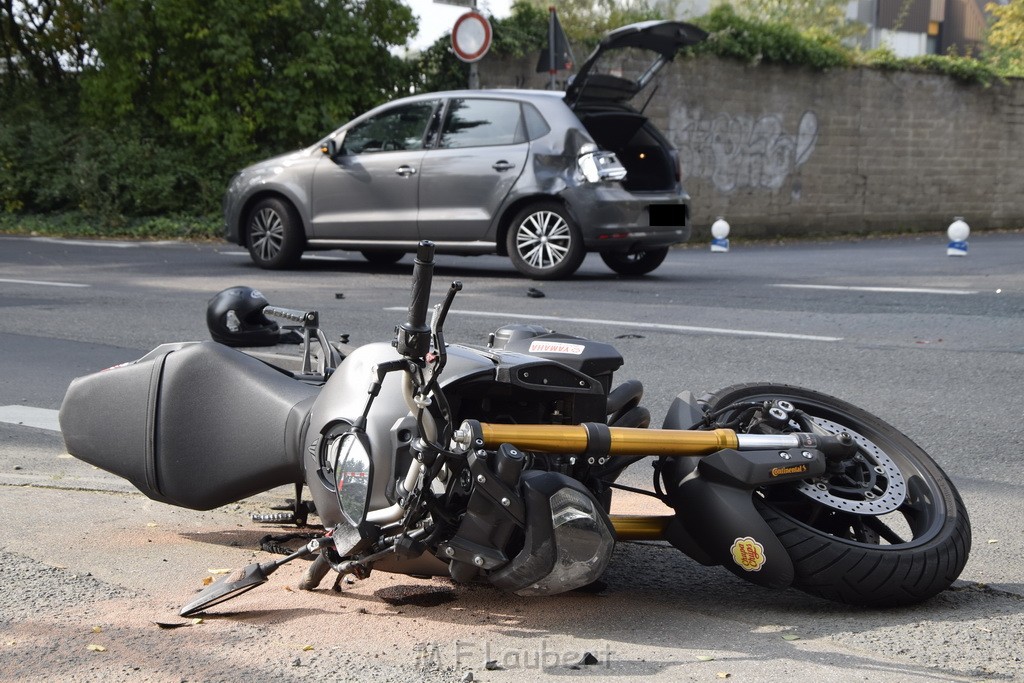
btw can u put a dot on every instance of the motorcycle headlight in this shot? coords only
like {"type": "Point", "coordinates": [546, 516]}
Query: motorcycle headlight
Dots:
{"type": "Point", "coordinates": [349, 459]}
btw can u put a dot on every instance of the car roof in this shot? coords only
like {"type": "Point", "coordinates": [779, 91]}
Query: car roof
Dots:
{"type": "Point", "coordinates": [501, 93]}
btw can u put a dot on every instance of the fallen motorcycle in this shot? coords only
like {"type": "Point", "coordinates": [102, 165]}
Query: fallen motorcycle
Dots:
{"type": "Point", "coordinates": [498, 462]}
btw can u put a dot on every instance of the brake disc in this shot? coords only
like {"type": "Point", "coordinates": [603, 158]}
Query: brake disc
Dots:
{"type": "Point", "coordinates": [881, 490]}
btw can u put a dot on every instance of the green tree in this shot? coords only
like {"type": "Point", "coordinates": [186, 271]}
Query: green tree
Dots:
{"type": "Point", "coordinates": [42, 41]}
{"type": "Point", "coordinates": [1005, 39]}
{"type": "Point", "coordinates": [245, 78]}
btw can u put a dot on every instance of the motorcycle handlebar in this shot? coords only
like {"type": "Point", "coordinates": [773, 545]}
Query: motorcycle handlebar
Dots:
{"type": "Point", "coordinates": [413, 338]}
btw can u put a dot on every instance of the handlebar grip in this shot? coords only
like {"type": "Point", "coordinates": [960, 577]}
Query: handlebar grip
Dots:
{"type": "Point", "coordinates": [422, 277]}
{"type": "Point", "coordinates": [413, 336]}
{"type": "Point", "coordinates": [290, 314]}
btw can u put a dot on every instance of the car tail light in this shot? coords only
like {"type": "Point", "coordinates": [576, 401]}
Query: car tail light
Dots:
{"type": "Point", "coordinates": [597, 165]}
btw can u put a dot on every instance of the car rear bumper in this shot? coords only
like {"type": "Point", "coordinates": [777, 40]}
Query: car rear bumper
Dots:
{"type": "Point", "coordinates": [612, 219]}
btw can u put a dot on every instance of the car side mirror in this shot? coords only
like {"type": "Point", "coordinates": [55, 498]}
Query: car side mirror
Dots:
{"type": "Point", "coordinates": [330, 147]}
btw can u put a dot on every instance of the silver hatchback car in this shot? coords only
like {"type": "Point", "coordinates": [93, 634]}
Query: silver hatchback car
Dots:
{"type": "Point", "coordinates": [542, 177]}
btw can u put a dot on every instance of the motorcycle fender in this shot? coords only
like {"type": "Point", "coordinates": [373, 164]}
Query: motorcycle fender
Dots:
{"type": "Point", "coordinates": [728, 530]}
{"type": "Point", "coordinates": [684, 413]}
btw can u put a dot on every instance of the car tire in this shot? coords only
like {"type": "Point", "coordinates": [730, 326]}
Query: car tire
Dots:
{"type": "Point", "coordinates": [544, 242]}
{"type": "Point", "coordinates": [274, 234]}
{"type": "Point", "coordinates": [634, 262]}
{"type": "Point", "coordinates": [383, 257]}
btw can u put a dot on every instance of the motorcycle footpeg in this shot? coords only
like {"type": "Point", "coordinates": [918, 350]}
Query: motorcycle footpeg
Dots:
{"type": "Point", "coordinates": [274, 518]}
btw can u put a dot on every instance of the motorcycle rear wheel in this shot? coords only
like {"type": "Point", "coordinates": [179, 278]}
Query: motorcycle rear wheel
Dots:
{"type": "Point", "coordinates": [895, 557]}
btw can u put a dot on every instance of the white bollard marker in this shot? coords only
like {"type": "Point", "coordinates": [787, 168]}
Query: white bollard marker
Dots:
{"type": "Point", "coordinates": [958, 233]}
{"type": "Point", "coordinates": [720, 236]}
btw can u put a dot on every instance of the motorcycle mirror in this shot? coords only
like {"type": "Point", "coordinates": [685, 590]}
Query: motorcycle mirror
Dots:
{"type": "Point", "coordinates": [230, 586]}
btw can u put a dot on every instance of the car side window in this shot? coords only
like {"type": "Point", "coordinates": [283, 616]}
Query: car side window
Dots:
{"type": "Point", "coordinates": [398, 129]}
{"type": "Point", "coordinates": [536, 126]}
{"type": "Point", "coordinates": [480, 123]}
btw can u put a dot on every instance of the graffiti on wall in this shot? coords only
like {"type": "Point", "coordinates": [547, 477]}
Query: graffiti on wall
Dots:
{"type": "Point", "coordinates": [736, 152]}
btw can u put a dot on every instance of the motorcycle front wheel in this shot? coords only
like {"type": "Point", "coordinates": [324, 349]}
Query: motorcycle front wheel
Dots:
{"type": "Point", "coordinates": [887, 528]}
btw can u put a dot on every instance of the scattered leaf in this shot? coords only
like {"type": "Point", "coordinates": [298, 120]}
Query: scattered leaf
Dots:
{"type": "Point", "coordinates": [705, 658]}
{"type": "Point", "coordinates": [97, 629]}
{"type": "Point", "coordinates": [723, 674]}
{"type": "Point", "coordinates": [219, 571]}
{"type": "Point", "coordinates": [307, 648]}
{"type": "Point", "coordinates": [207, 580]}
{"type": "Point", "coordinates": [289, 589]}
{"type": "Point", "coordinates": [790, 636]}
{"type": "Point", "coordinates": [97, 648]}
{"type": "Point", "coordinates": [151, 525]}
{"type": "Point", "coordinates": [197, 621]}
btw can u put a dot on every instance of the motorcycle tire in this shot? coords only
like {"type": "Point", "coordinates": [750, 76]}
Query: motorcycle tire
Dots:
{"type": "Point", "coordinates": [875, 556]}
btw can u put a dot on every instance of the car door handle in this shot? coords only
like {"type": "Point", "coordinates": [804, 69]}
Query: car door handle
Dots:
{"type": "Point", "coordinates": [405, 171]}
{"type": "Point", "coordinates": [503, 166]}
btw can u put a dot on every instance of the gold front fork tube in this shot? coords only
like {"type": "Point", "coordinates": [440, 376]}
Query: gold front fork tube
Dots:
{"type": "Point", "coordinates": [624, 440]}
{"type": "Point", "coordinates": [639, 528]}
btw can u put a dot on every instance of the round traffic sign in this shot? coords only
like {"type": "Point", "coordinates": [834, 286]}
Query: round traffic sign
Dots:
{"type": "Point", "coordinates": [471, 36]}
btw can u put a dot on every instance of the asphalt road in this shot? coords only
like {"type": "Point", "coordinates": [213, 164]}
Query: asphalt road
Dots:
{"type": "Point", "coordinates": [933, 344]}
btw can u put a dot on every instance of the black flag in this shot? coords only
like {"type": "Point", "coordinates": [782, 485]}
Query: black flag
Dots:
{"type": "Point", "coordinates": [556, 55]}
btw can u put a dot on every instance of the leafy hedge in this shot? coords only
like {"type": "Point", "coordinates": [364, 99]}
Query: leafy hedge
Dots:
{"type": "Point", "coordinates": [734, 37]}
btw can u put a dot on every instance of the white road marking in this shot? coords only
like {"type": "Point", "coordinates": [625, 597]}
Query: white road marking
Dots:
{"type": "Point", "coordinates": [27, 416]}
{"type": "Point", "coordinates": [43, 283]}
{"type": "Point", "coordinates": [113, 244]}
{"type": "Point", "coordinates": [895, 290]}
{"type": "Point", "coordinates": [645, 326]}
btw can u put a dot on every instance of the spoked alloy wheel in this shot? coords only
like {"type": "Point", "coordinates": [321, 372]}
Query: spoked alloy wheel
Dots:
{"type": "Point", "coordinates": [886, 528]}
{"type": "Point", "coordinates": [275, 235]}
{"type": "Point", "coordinates": [544, 243]}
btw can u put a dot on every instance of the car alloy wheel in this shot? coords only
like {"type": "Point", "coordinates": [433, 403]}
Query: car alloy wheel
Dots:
{"type": "Point", "coordinates": [544, 243]}
{"type": "Point", "coordinates": [275, 238]}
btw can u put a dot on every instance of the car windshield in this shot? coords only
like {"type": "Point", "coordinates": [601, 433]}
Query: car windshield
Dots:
{"type": "Point", "coordinates": [397, 129]}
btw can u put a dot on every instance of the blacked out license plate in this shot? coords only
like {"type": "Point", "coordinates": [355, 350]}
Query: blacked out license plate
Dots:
{"type": "Point", "coordinates": [667, 214]}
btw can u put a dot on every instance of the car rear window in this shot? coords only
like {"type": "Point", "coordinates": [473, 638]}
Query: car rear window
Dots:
{"type": "Point", "coordinates": [479, 123]}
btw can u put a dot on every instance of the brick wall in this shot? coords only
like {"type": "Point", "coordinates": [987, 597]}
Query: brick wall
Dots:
{"type": "Point", "coordinates": [787, 151]}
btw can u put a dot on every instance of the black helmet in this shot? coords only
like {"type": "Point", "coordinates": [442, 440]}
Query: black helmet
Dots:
{"type": "Point", "coordinates": [235, 317]}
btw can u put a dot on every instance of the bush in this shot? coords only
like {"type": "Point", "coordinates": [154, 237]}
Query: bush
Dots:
{"type": "Point", "coordinates": [963, 69]}
{"type": "Point", "coordinates": [735, 37]}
